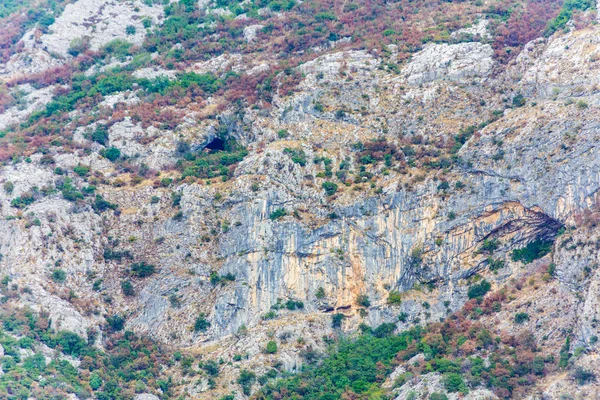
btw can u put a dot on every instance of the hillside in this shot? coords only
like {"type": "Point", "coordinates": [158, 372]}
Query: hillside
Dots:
{"type": "Point", "coordinates": [299, 199]}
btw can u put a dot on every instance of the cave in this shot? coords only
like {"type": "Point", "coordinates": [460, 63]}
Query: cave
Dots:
{"type": "Point", "coordinates": [217, 144]}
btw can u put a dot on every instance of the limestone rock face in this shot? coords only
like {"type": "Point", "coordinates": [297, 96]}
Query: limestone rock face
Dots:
{"type": "Point", "coordinates": [100, 22]}
{"type": "Point", "coordinates": [245, 247]}
{"type": "Point", "coordinates": [450, 61]}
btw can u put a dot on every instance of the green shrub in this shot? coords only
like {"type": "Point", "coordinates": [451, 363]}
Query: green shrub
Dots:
{"type": "Point", "coordinates": [201, 324]}
{"type": "Point", "coordinates": [69, 190]}
{"type": "Point", "coordinates": [23, 201]}
{"type": "Point", "coordinates": [246, 379]}
{"type": "Point", "coordinates": [363, 300]}
{"type": "Point", "coordinates": [81, 170]}
{"type": "Point", "coordinates": [127, 288]}
{"type": "Point", "coordinates": [320, 293]}
{"type": "Point", "coordinates": [116, 323]}
{"type": "Point", "coordinates": [453, 382]}
{"type": "Point", "coordinates": [565, 14]}
{"type": "Point", "coordinates": [297, 155]}
{"type": "Point", "coordinates": [394, 298]}
{"type": "Point", "coordinates": [100, 135]}
{"type": "Point", "coordinates": [112, 154]}
{"type": "Point", "coordinates": [521, 317]}
{"type": "Point", "coordinates": [438, 396]}
{"type": "Point", "coordinates": [59, 275]}
{"type": "Point", "coordinates": [330, 188]}
{"type": "Point", "coordinates": [583, 376]}
{"type": "Point", "coordinates": [479, 290]}
{"type": "Point", "coordinates": [534, 250]}
{"type": "Point", "coordinates": [8, 187]}
{"type": "Point", "coordinates": [130, 30]}
{"type": "Point", "coordinates": [100, 204]}
{"type": "Point", "coordinates": [336, 320]}
{"type": "Point", "coordinates": [271, 347]}
{"type": "Point", "coordinates": [278, 213]}
{"type": "Point", "coordinates": [269, 315]}
{"type": "Point", "coordinates": [95, 381]}
{"type": "Point", "coordinates": [518, 100]}
{"type": "Point", "coordinates": [70, 343]}
{"type": "Point", "coordinates": [142, 269]}
{"type": "Point", "coordinates": [489, 246]}
{"type": "Point", "coordinates": [211, 367]}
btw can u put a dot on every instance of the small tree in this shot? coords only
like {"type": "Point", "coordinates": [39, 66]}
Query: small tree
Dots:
{"type": "Point", "coordinates": [320, 293]}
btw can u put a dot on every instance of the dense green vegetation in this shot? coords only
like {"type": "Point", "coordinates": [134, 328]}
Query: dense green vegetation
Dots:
{"type": "Point", "coordinates": [129, 364]}
{"type": "Point", "coordinates": [566, 13]}
{"type": "Point", "coordinates": [533, 251]}
{"type": "Point", "coordinates": [350, 366]}
{"type": "Point", "coordinates": [455, 348]}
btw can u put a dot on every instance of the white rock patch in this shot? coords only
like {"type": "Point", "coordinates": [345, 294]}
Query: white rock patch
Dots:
{"type": "Point", "coordinates": [101, 21]}
{"type": "Point", "coordinates": [450, 61]}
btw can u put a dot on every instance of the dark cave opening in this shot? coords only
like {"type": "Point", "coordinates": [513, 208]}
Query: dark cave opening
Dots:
{"type": "Point", "coordinates": [217, 144]}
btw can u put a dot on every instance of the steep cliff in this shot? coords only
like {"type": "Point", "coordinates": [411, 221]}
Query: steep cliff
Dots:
{"type": "Point", "coordinates": [216, 200]}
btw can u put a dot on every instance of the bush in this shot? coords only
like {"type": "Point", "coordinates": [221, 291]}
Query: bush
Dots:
{"type": "Point", "coordinates": [336, 320]}
{"type": "Point", "coordinates": [112, 154]}
{"type": "Point", "coordinates": [363, 300]}
{"type": "Point", "coordinates": [22, 201]}
{"type": "Point", "coordinates": [246, 380]}
{"type": "Point", "coordinates": [479, 290]}
{"type": "Point", "coordinates": [384, 330]}
{"type": "Point", "coordinates": [95, 381]}
{"type": "Point", "coordinates": [100, 135]}
{"type": "Point", "coordinates": [518, 100]}
{"type": "Point", "coordinates": [394, 298]}
{"type": "Point", "coordinates": [453, 382]}
{"type": "Point", "coordinates": [9, 187]}
{"type": "Point", "coordinates": [278, 213]}
{"type": "Point", "coordinates": [211, 367]}
{"type": "Point", "coordinates": [130, 30]}
{"type": "Point", "coordinates": [297, 155]}
{"type": "Point", "coordinates": [521, 317]}
{"type": "Point", "coordinates": [78, 46]}
{"type": "Point", "coordinates": [59, 275]}
{"type": "Point", "coordinates": [70, 343]}
{"type": "Point", "coordinates": [271, 347]}
{"type": "Point", "coordinates": [116, 323]}
{"type": "Point", "coordinates": [534, 250]}
{"type": "Point", "coordinates": [69, 191]}
{"type": "Point", "coordinates": [438, 396]}
{"type": "Point", "coordinates": [142, 269]}
{"type": "Point", "coordinates": [81, 170]}
{"type": "Point", "coordinates": [127, 288]}
{"type": "Point", "coordinates": [330, 188]}
{"type": "Point", "coordinates": [101, 205]}
{"type": "Point", "coordinates": [583, 376]}
{"type": "Point", "coordinates": [489, 246]}
{"type": "Point", "coordinates": [201, 324]}
{"type": "Point", "coordinates": [320, 293]}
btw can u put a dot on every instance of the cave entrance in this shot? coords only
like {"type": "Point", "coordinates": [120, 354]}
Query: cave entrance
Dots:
{"type": "Point", "coordinates": [217, 144]}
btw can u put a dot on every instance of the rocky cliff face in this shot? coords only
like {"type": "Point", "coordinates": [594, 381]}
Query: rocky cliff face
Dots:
{"type": "Point", "coordinates": [482, 152]}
